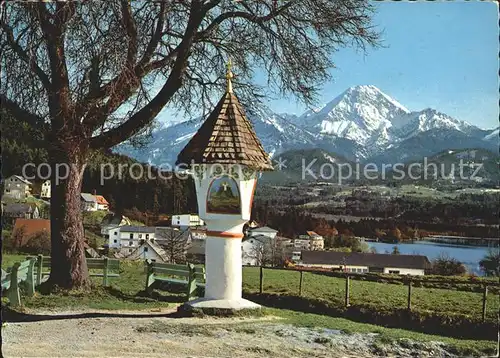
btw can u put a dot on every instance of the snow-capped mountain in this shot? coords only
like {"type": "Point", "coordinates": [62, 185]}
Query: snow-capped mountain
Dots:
{"type": "Point", "coordinates": [369, 117]}
{"type": "Point", "coordinates": [276, 133]}
{"type": "Point", "coordinates": [362, 114]}
{"type": "Point", "coordinates": [428, 143]}
{"type": "Point", "coordinates": [411, 124]}
{"type": "Point", "coordinates": [362, 123]}
{"type": "Point", "coordinates": [493, 136]}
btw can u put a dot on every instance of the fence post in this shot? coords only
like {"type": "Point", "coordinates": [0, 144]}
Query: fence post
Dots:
{"type": "Point", "coordinates": [13, 291]}
{"type": "Point", "coordinates": [105, 274]}
{"type": "Point", "coordinates": [347, 290]}
{"type": "Point", "coordinates": [149, 276]}
{"type": "Point", "coordinates": [39, 268]}
{"type": "Point", "coordinates": [191, 281]}
{"type": "Point", "coordinates": [409, 294]}
{"type": "Point", "coordinates": [30, 279]}
{"type": "Point", "coordinates": [300, 282]}
{"type": "Point", "coordinates": [261, 279]}
{"type": "Point", "coordinates": [485, 295]}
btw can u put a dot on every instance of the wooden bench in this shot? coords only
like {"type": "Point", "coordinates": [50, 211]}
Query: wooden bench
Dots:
{"type": "Point", "coordinates": [188, 275]}
{"type": "Point", "coordinates": [43, 264]}
{"type": "Point", "coordinates": [14, 277]}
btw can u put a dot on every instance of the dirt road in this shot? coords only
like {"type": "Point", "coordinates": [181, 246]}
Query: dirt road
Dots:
{"type": "Point", "coordinates": [158, 334]}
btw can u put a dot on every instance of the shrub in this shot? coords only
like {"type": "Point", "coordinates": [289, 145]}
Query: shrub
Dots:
{"type": "Point", "coordinates": [8, 241]}
{"type": "Point", "coordinates": [17, 237]}
{"type": "Point", "coordinates": [490, 264]}
{"type": "Point", "coordinates": [38, 243]}
{"type": "Point", "coordinates": [93, 218]}
{"type": "Point", "coordinates": [447, 266]}
{"type": "Point", "coordinates": [135, 214]}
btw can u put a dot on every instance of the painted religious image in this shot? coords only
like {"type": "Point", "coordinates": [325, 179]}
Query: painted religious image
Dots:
{"type": "Point", "coordinates": [224, 197]}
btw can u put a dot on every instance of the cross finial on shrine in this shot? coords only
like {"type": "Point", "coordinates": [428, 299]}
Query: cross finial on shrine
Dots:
{"type": "Point", "coordinates": [229, 77]}
{"type": "Point", "coordinates": [225, 185]}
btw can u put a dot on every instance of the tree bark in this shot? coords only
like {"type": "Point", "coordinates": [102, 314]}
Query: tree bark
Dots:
{"type": "Point", "coordinates": [68, 265]}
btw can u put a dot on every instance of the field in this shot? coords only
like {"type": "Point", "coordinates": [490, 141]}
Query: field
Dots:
{"type": "Point", "coordinates": [9, 259]}
{"type": "Point", "coordinates": [315, 286]}
{"type": "Point", "coordinates": [380, 295]}
{"type": "Point", "coordinates": [126, 293]}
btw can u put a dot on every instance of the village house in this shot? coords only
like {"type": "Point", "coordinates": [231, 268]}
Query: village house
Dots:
{"type": "Point", "coordinates": [309, 241]}
{"type": "Point", "coordinates": [186, 220]}
{"type": "Point", "coordinates": [102, 203]}
{"type": "Point", "coordinates": [165, 234]}
{"type": "Point", "coordinates": [195, 253]}
{"type": "Point", "coordinates": [265, 250]}
{"type": "Point", "coordinates": [357, 262]}
{"type": "Point", "coordinates": [128, 238]}
{"type": "Point", "coordinates": [264, 231]}
{"type": "Point", "coordinates": [92, 202]}
{"type": "Point", "coordinates": [110, 223]}
{"type": "Point", "coordinates": [13, 211]}
{"type": "Point", "coordinates": [112, 234]}
{"type": "Point", "coordinates": [258, 245]}
{"type": "Point", "coordinates": [198, 233]}
{"type": "Point", "coordinates": [254, 250]}
{"type": "Point", "coordinates": [89, 202]}
{"type": "Point", "coordinates": [176, 243]}
{"type": "Point", "coordinates": [17, 187]}
{"type": "Point", "coordinates": [148, 250]}
{"type": "Point", "coordinates": [46, 190]}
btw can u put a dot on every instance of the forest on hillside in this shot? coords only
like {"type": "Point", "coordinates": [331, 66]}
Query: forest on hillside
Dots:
{"type": "Point", "coordinates": [295, 221]}
{"type": "Point", "coordinates": [165, 194]}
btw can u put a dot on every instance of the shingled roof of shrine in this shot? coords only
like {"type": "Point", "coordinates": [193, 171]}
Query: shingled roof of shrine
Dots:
{"type": "Point", "coordinates": [226, 137]}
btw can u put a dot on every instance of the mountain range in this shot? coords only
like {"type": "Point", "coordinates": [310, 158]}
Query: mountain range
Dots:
{"type": "Point", "coordinates": [471, 166]}
{"type": "Point", "coordinates": [362, 123]}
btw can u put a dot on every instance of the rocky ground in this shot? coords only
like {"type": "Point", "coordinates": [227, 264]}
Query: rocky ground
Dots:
{"type": "Point", "coordinates": [159, 334]}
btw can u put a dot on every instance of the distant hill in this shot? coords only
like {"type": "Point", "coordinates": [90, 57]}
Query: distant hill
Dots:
{"type": "Point", "coordinates": [308, 165]}
{"type": "Point", "coordinates": [294, 165]}
{"type": "Point", "coordinates": [435, 141]}
{"type": "Point", "coordinates": [472, 166]}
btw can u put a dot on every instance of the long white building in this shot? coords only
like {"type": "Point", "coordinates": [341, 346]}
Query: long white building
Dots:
{"type": "Point", "coordinates": [357, 262]}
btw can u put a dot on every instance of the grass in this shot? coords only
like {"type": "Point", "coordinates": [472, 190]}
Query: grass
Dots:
{"type": "Point", "coordinates": [92, 218]}
{"type": "Point", "coordinates": [380, 295]}
{"type": "Point", "coordinates": [385, 336]}
{"type": "Point", "coordinates": [8, 260]}
{"type": "Point", "coordinates": [126, 293]}
{"type": "Point", "coordinates": [461, 347]}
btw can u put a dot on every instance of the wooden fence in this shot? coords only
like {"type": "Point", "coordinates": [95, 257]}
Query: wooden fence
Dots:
{"type": "Point", "coordinates": [408, 281]}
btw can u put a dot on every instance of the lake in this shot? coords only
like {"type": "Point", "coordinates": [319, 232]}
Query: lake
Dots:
{"type": "Point", "coordinates": [468, 255]}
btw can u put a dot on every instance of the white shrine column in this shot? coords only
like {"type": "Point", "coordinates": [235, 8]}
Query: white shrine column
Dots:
{"type": "Point", "coordinates": [224, 268]}
{"type": "Point", "coordinates": [223, 254]}
{"type": "Point", "coordinates": [225, 159]}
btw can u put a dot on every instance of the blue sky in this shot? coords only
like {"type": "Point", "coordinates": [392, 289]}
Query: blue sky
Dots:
{"type": "Point", "coordinates": [442, 55]}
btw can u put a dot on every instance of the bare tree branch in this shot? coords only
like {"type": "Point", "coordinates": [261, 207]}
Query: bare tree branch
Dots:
{"type": "Point", "coordinates": [24, 55]}
{"type": "Point", "coordinates": [151, 110]}
{"type": "Point", "coordinates": [114, 50]}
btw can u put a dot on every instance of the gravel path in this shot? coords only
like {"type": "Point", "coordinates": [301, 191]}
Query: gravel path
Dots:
{"type": "Point", "coordinates": [155, 334]}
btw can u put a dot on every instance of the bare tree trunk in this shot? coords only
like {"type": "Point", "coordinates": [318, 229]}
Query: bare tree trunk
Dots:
{"type": "Point", "coordinates": [68, 266]}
